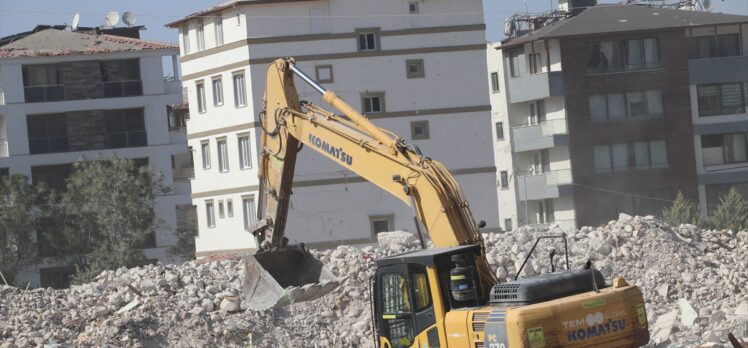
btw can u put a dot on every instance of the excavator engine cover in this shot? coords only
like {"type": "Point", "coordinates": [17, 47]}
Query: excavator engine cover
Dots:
{"type": "Point", "coordinates": [547, 287]}
{"type": "Point", "coordinates": [283, 276]}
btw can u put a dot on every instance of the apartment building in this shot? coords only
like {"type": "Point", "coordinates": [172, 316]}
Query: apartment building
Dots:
{"type": "Point", "coordinates": [67, 94]}
{"type": "Point", "coordinates": [598, 104]}
{"type": "Point", "coordinates": [414, 67]}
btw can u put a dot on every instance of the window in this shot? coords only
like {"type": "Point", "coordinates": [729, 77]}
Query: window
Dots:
{"type": "Point", "coordinates": [626, 55]}
{"type": "Point", "coordinates": [221, 211]}
{"type": "Point", "coordinates": [54, 176]}
{"type": "Point", "coordinates": [504, 179]}
{"type": "Point", "coordinates": [507, 224]}
{"type": "Point", "coordinates": [499, 130]}
{"type": "Point", "coordinates": [217, 91]}
{"type": "Point", "coordinates": [421, 293]}
{"type": "Point", "coordinates": [200, 88]}
{"type": "Point", "coordinates": [368, 40]}
{"type": "Point", "coordinates": [419, 130]}
{"type": "Point", "coordinates": [721, 99]}
{"type": "Point", "coordinates": [200, 35]}
{"type": "Point", "coordinates": [494, 82]}
{"type": "Point", "coordinates": [218, 28]}
{"type": "Point", "coordinates": [619, 106]}
{"type": "Point", "coordinates": [537, 112]}
{"type": "Point", "coordinates": [125, 128]}
{"type": "Point", "coordinates": [238, 18]}
{"type": "Point", "coordinates": [186, 39]}
{"type": "Point", "coordinates": [230, 207]}
{"type": "Point", "coordinates": [47, 133]}
{"type": "Point", "coordinates": [712, 46]}
{"type": "Point", "coordinates": [56, 278]}
{"type": "Point", "coordinates": [248, 208]}
{"type": "Point", "coordinates": [601, 158]}
{"type": "Point", "coordinates": [413, 7]}
{"type": "Point", "coordinates": [414, 68]}
{"type": "Point", "coordinates": [620, 155]}
{"type": "Point", "coordinates": [210, 214]}
{"type": "Point", "coordinates": [205, 149]}
{"type": "Point", "coordinates": [381, 223]}
{"type": "Point", "coordinates": [650, 154]}
{"type": "Point", "coordinates": [396, 305]}
{"type": "Point", "coordinates": [535, 63]}
{"type": "Point", "coordinates": [372, 103]}
{"type": "Point", "coordinates": [42, 83]}
{"type": "Point", "coordinates": [223, 156]}
{"type": "Point", "coordinates": [245, 156]}
{"type": "Point", "coordinates": [240, 94]}
{"type": "Point", "coordinates": [121, 78]}
{"type": "Point", "coordinates": [514, 63]}
{"type": "Point", "coordinates": [724, 148]}
{"type": "Point", "coordinates": [324, 73]}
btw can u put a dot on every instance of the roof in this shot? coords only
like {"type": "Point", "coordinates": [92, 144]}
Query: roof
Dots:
{"type": "Point", "coordinates": [53, 42]}
{"type": "Point", "coordinates": [225, 5]}
{"type": "Point", "coordinates": [426, 257]}
{"type": "Point", "coordinates": [602, 19]}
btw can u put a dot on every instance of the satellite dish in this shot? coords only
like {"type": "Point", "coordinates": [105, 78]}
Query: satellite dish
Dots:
{"type": "Point", "coordinates": [111, 19]}
{"type": "Point", "coordinates": [129, 18]}
{"type": "Point", "coordinates": [76, 19]}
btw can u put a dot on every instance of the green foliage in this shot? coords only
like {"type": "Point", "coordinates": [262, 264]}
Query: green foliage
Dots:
{"type": "Point", "coordinates": [21, 208]}
{"type": "Point", "coordinates": [107, 213]}
{"type": "Point", "coordinates": [732, 212]}
{"type": "Point", "coordinates": [682, 211]}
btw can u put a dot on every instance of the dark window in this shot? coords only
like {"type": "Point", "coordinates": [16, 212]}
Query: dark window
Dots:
{"type": "Point", "coordinates": [125, 128]}
{"type": "Point", "coordinates": [54, 176]}
{"type": "Point", "coordinates": [396, 306]}
{"type": "Point", "coordinates": [42, 83]}
{"type": "Point", "coordinates": [499, 130]}
{"type": "Point", "coordinates": [504, 179]}
{"type": "Point", "coordinates": [619, 106]}
{"type": "Point", "coordinates": [728, 45]}
{"type": "Point", "coordinates": [413, 7]}
{"type": "Point", "coordinates": [368, 40]}
{"type": "Point", "coordinates": [721, 99]}
{"type": "Point", "coordinates": [701, 47]}
{"type": "Point", "coordinates": [149, 241]}
{"type": "Point", "coordinates": [381, 224]}
{"type": "Point", "coordinates": [724, 45]}
{"type": "Point", "coordinates": [47, 133]}
{"type": "Point", "coordinates": [494, 81]}
{"type": "Point", "coordinates": [4, 172]}
{"type": "Point", "coordinates": [507, 224]}
{"type": "Point", "coordinates": [534, 62]}
{"type": "Point", "coordinates": [514, 63]}
{"type": "Point", "coordinates": [419, 130]}
{"type": "Point", "coordinates": [373, 103]}
{"type": "Point", "coordinates": [121, 78]}
{"type": "Point", "coordinates": [626, 55]}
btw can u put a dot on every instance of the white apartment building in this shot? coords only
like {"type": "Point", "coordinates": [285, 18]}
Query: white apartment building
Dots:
{"type": "Point", "coordinates": [502, 145]}
{"type": "Point", "coordinates": [416, 67]}
{"type": "Point", "coordinates": [533, 166]}
{"type": "Point", "coordinates": [66, 94]}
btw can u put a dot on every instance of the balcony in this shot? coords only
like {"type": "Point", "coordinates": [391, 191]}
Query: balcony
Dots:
{"type": "Point", "coordinates": [535, 86]}
{"type": "Point", "coordinates": [551, 184]}
{"type": "Point", "coordinates": [544, 135]}
{"type": "Point", "coordinates": [717, 70]}
{"type": "Point", "coordinates": [44, 93]}
{"type": "Point", "coordinates": [172, 86]}
{"type": "Point", "coordinates": [114, 89]}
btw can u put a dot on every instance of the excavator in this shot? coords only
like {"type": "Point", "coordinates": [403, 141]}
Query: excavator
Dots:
{"type": "Point", "coordinates": [445, 296]}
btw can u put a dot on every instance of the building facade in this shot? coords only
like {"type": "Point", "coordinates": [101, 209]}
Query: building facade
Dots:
{"type": "Point", "coordinates": [414, 67]}
{"type": "Point", "coordinates": [600, 112]}
{"type": "Point", "coordinates": [64, 95]}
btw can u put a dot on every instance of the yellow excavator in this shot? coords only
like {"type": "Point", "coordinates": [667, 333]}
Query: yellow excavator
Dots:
{"type": "Point", "coordinates": [446, 296]}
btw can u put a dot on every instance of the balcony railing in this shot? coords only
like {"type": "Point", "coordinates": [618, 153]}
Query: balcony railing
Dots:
{"type": "Point", "coordinates": [543, 185]}
{"type": "Point", "coordinates": [44, 93]}
{"type": "Point", "coordinates": [113, 89]}
{"type": "Point", "coordinates": [538, 136]}
{"type": "Point", "coordinates": [173, 86]}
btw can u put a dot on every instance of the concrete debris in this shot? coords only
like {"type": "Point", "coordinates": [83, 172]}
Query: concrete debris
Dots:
{"type": "Point", "coordinates": [200, 303]}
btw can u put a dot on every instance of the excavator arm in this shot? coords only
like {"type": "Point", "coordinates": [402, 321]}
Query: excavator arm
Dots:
{"type": "Point", "coordinates": [350, 139]}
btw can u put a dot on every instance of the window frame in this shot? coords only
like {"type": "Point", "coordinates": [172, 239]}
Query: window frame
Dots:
{"type": "Point", "coordinates": [628, 116]}
{"type": "Point", "coordinates": [375, 41]}
{"type": "Point", "coordinates": [720, 110]}
{"type": "Point", "coordinates": [244, 163]}
{"type": "Point", "coordinates": [318, 68]}
{"type": "Point", "coordinates": [200, 31]}
{"type": "Point", "coordinates": [218, 29]}
{"type": "Point", "coordinates": [201, 98]}
{"type": "Point", "coordinates": [495, 85]}
{"type": "Point", "coordinates": [499, 126]}
{"type": "Point", "coordinates": [372, 95]}
{"type": "Point", "coordinates": [221, 209]}
{"type": "Point", "coordinates": [414, 62]}
{"type": "Point", "coordinates": [210, 213]}
{"type": "Point", "coordinates": [504, 180]}
{"type": "Point", "coordinates": [222, 147]}
{"type": "Point", "coordinates": [413, 9]}
{"type": "Point", "coordinates": [234, 78]}
{"type": "Point", "coordinates": [219, 80]}
{"type": "Point", "coordinates": [508, 224]}
{"type": "Point", "coordinates": [249, 218]}
{"type": "Point", "coordinates": [414, 125]}
{"type": "Point", "coordinates": [205, 154]}
{"type": "Point", "coordinates": [186, 39]}
{"type": "Point", "coordinates": [230, 207]}
{"type": "Point", "coordinates": [514, 63]}
{"type": "Point", "coordinates": [390, 218]}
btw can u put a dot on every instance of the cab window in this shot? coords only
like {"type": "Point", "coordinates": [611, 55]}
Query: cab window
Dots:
{"type": "Point", "coordinates": [422, 296]}
{"type": "Point", "coordinates": [397, 309]}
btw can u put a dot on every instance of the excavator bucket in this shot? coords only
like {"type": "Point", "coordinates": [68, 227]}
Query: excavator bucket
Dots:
{"type": "Point", "coordinates": [283, 276]}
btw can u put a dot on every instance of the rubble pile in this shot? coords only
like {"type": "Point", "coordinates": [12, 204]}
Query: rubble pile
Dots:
{"type": "Point", "coordinates": [694, 283]}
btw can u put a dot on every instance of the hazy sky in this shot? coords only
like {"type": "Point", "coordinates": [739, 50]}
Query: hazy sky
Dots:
{"type": "Point", "coordinates": [17, 15]}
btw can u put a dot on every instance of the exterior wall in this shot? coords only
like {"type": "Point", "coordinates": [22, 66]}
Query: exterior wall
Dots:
{"type": "Point", "coordinates": [162, 144]}
{"type": "Point", "coordinates": [451, 97]}
{"type": "Point", "coordinates": [592, 204]}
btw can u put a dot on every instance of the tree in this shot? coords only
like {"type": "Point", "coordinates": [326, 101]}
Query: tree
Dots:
{"type": "Point", "coordinates": [732, 212]}
{"type": "Point", "coordinates": [21, 207]}
{"type": "Point", "coordinates": [107, 215]}
{"type": "Point", "coordinates": [682, 211]}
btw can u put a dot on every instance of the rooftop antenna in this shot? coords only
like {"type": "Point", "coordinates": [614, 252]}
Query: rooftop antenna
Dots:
{"type": "Point", "coordinates": [76, 20]}
{"type": "Point", "coordinates": [111, 19]}
{"type": "Point", "coordinates": [129, 18]}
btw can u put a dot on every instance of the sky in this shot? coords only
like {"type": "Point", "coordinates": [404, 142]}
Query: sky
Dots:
{"type": "Point", "coordinates": [18, 16]}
